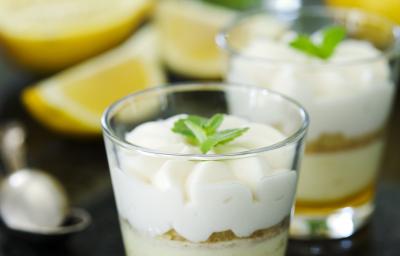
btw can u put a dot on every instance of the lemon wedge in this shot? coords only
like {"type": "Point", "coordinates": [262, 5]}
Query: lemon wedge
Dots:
{"type": "Point", "coordinates": [73, 101]}
{"type": "Point", "coordinates": [387, 8]}
{"type": "Point", "coordinates": [188, 30]}
{"type": "Point", "coordinates": [48, 35]}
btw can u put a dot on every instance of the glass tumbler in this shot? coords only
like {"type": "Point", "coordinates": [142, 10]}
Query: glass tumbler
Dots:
{"type": "Point", "coordinates": [235, 200]}
{"type": "Point", "coordinates": [348, 97]}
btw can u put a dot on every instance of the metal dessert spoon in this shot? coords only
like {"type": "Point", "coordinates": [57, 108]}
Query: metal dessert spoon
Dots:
{"type": "Point", "coordinates": [33, 204]}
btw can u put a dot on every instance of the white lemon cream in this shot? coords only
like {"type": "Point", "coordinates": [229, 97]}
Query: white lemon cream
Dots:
{"type": "Point", "coordinates": [349, 94]}
{"type": "Point", "coordinates": [339, 174]}
{"type": "Point", "coordinates": [195, 199]}
{"type": "Point", "coordinates": [341, 95]}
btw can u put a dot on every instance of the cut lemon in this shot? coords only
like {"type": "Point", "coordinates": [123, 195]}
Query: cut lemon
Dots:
{"type": "Point", "coordinates": [388, 8]}
{"type": "Point", "coordinates": [73, 101]}
{"type": "Point", "coordinates": [48, 35]}
{"type": "Point", "coordinates": [188, 30]}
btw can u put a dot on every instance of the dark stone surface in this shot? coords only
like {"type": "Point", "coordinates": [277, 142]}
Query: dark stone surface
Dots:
{"type": "Point", "coordinates": [82, 167]}
{"type": "Point", "coordinates": [380, 238]}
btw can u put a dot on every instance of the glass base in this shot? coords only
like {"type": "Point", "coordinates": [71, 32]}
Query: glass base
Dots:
{"type": "Point", "coordinates": [357, 244]}
{"type": "Point", "coordinates": [337, 224]}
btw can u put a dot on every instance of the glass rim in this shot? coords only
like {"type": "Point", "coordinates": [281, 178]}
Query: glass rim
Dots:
{"type": "Point", "coordinates": [206, 86]}
{"type": "Point", "coordinates": [222, 38]}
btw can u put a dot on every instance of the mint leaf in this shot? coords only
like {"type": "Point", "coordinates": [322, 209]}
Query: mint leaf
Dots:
{"type": "Point", "coordinates": [331, 38]}
{"type": "Point", "coordinates": [180, 126]}
{"type": "Point", "coordinates": [203, 132]}
{"type": "Point", "coordinates": [213, 123]}
{"type": "Point", "coordinates": [221, 138]}
{"type": "Point", "coordinates": [196, 130]}
{"type": "Point", "coordinates": [304, 43]}
{"type": "Point", "coordinates": [197, 119]}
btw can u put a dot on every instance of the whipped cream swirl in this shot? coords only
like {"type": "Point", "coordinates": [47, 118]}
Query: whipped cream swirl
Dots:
{"type": "Point", "coordinates": [198, 198]}
{"type": "Point", "coordinates": [354, 84]}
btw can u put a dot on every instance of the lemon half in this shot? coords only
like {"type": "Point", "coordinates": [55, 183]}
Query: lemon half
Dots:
{"type": "Point", "coordinates": [48, 35]}
{"type": "Point", "coordinates": [73, 101]}
{"type": "Point", "coordinates": [188, 29]}
{"type": "Point", "coordinates": [387, 8]}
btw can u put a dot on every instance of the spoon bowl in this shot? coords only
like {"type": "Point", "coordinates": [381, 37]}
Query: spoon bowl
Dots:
{"type": "Point", "coordinates": [31, 199]}
{"type": "Point", "coordinates": [76, 221]}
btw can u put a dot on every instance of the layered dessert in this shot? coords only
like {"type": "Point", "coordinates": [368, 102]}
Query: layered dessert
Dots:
{"type": "Point", "coordinates": [348, 97]}
{"type": "Point", "coordinates": [177, 205]}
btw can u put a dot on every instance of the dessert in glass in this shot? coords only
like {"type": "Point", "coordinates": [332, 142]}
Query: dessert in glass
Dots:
{"type": "Point", "coordinates": [194, 175]}
{"type": "Point", "coordinates": [340, 65]}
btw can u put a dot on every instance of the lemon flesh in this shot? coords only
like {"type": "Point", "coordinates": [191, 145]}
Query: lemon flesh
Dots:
{"type": "Point", "coordinates": [387, 8]}
{"type": "Point", "coordinates": [73, 101]}
{"type": "Point", "coordinates": [48, 35]}
{"type": "Point", "coordinates": [188, 29]}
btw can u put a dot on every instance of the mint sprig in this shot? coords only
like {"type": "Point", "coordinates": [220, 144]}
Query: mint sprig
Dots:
{"type": "Point", "coordinates": [331, 38]}
{"type": "Point", "coordinates": [204, 132]}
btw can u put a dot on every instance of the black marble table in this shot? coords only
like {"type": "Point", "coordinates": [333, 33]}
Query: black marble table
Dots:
{"type": "Point", "coordinates": [380, 238]}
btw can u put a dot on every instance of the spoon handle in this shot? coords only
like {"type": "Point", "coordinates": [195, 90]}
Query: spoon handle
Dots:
{"type": "Point", "coordinates": [12, 146]}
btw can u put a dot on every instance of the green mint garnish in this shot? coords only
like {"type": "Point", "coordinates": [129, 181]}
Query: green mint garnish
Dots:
{"type": "Point", "coordinates": [236, 4]}
{"type": "Point", "coordinates": [331, 37]}
{"type": "Point", "coordinates": [204, 132]}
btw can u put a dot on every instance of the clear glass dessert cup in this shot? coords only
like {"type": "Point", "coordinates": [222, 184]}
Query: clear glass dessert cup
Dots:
{"type": "Point", "coordinates": [349, 98]}
{"type": "Point", "coordinates": [236, 200]}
